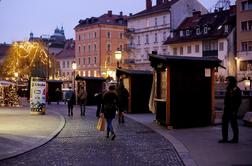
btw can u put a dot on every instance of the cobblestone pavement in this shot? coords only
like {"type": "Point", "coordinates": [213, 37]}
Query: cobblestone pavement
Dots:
{"type": "Point", "coordinates": [79, 143]}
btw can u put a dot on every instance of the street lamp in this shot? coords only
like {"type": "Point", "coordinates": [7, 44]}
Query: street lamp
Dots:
{"type": "Point", "coordinates": [48, 60]}
{"type": "Point", "coordinates": [74, 67]}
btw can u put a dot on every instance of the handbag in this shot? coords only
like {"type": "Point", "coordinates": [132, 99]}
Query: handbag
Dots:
{"type": "Point", "coordinates": [101, 124]}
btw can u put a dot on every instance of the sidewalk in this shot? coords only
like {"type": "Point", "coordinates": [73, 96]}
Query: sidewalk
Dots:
{"type": "Point", "coordinates": [21, 132]}
{"type": "Point", "coordinates": [199, 146]}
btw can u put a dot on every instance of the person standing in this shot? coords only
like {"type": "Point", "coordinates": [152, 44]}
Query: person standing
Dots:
{"type": "Point", "coordinates": [123, 96]}
{"type": "Point", "coordinates": [58, 95]}
{"type": "Point", "coordinates": [82, 97]}
{"type": "Point", "coordinates": [109, 107]}
{"type": "Point", "coordinates": [70, 98]}
{"type": "Point", "coordinates": [98, 100]}
{"type": "Point", "coordinates": [232, 102]}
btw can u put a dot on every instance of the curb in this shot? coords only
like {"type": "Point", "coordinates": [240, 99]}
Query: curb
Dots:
{"type": "Point", "coordinates": [42, 141]}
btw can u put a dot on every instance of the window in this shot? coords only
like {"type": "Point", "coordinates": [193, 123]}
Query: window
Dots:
{"type": "Point", "coordinates": [89, 48]}
{"type": "Point", "coordinates": [121, 47]}
{"type": "Point", "coordinates": [89, 35]}
{"type": "Point", "coordinates": [226, 28]}
{"type": "Point", "coordinates": [79, 48]}
{"type": "Point", "coordinates": [67, 64]}
{"type": "Point", "coordinates": [146, 39]}
{"type": "Point", "coordinates": [79, 37]}
{"type": "Point", "coordinates": [198, 31]}
{"type": "Point", "coordinates": [181, 51]}
{"type": "Point", "coordinates": [164, 20]}
{"type": "Point", "coordinates": [108, 60]}
{"type": "Point", "coordinates": [197, 48]}
{"type": "Point", "coordinates": [63, 64]}
{"type": "Point", "coordinates": [89, 60]}
{"type": "Point", "coordinates": [108, 47]}
{"type": "Point", "coordinates": [250, 25]}
{"type": "Point", "coordinates": [94, 47]}
{"type": "Point", "coordinates": [246, 5]}
{"type": "Point", "coordinates": [221, 46]}
{"type": "Point", "coordinates": [95, 35]}
{"type": "Point", "coordinates": [108, 35]}
{"type": "Point", "coordinates": [205, 30]}
{"type": "Point", "coordinates": [189, 49]}
{"type": "Point", "coordinates": [95, 60]}
{"type": "Point", "coordinates": [187, 32]}
{"type": "Point", "coordinates": [79, 61]}
{"type": "Point", "coordinates": [147, 23]}
{"type": "Point", "coordinates": [164, 36]}
{"type": "Point", "coordinates": [181, 33]}
{"type": "Point", "coordinates": [83, 61]}
{"type": "Point", "coordinates": [156, 22]}
{"type": "Point", "coordinates": [138, 40]}
{"type": "Point", "coordinates": [156, 38]}
{"type": "Point", "coordinates": [244, 46]}
{"type": "Point", "coordinates": [243, 65]}
{"type": "Point", "coordinates": [83, 48]}
{"type": "Point", "coordinates": [250, 46]}
{"type": "Point", "coordinates": [175, 51]}
{"type": "Point", "coordinates": [209, 45]}
{"type": "Point", "coordinates": [244, 26]}
{"type": "Point", "coordinates": [83, 37]}
{"type": "Point", "coordinates": [121, 35]}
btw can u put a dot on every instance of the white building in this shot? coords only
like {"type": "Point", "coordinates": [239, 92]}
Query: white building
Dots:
{"type": "Point", "coordinates": [148, 29]}
{"type": "Point", "coordinates": [208, 35]}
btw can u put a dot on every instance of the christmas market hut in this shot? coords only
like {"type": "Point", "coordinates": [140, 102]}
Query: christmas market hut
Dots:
{"type": "Point", "coordinates": [183, 91]}
{"type": "Point", "coordinates": [138, 83]}
{"type": "Point", "coordinates": [93, 85]}
{"type": "Point", "coordinates": [52, 87]}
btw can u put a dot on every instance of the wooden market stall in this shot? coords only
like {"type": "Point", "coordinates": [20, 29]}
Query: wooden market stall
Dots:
{"type": "Point", "coordinates": [138, 83]}
{"type": "Point", "coordinates": [184, 90]}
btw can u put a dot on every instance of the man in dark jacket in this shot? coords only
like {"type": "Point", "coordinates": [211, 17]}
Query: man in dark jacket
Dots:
{"type": "Point", "coordinates": [109, 107]}
{"type": "Point", "coordinates": [232, 103]}
{"type": "Point", "coordinates": [70, 98]}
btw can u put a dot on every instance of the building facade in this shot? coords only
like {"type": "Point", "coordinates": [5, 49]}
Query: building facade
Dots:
{"type": "Point", "coordinates": [149, 29]}
{"type": "Point", "coordinates": [207, 35]}
{"type": "Point", "coordinates": [65, 59]}
{"type": "Point", "coordinates": [244, 39]}
{"type": "Point", "coordinates": [97, 39]}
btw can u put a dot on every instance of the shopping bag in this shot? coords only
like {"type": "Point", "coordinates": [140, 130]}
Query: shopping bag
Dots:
{"type": "Point", "coordinates": [101, 124]}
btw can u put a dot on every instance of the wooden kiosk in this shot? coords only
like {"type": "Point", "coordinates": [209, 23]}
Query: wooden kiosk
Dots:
{"type": "Point", "coordinates": [184, 91]}
{"type": "Point", "coordinates": [138, 83]}
{"type": "Point", "coordinates": [93, 85]}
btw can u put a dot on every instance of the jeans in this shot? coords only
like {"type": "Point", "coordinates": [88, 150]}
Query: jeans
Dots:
{"type": "Point", "coordinates": [110, 126]}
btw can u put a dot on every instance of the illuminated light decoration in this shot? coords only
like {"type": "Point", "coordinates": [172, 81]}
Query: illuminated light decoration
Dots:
{"type": "Point", "coordinates": [22, 57]}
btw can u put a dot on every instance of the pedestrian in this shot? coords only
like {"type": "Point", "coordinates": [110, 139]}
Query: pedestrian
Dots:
{"type": "Point", "coordinates": [82, 98]}
{"type": "Point", "coordinates": [58, 95]}
{"type": "Point", "coordinates": [98, 100]}
{"type": "Point", "coordinates": [70, 98]}
{"type": "Point", "coordinates": [123, 97]}
{"type": "Point", "coordinates": [109, 108]}
{"type": "Point", "coordinates": [232, 102]}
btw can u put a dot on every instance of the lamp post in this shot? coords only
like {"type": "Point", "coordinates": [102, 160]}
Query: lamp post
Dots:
{"type": "Point", "coordinates": [74, 67]}
{"type": "Point", "coordinates": [48, 60]}
{"type": "Point", "coordinates": [118, 57]}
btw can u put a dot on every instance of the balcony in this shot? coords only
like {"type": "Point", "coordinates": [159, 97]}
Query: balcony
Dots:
{"type": "Point", "coordinates": [210, 53]}
{"type": "Point", "coordinates": [129, 31]}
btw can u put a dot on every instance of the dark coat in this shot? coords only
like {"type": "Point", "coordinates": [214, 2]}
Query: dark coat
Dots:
{"type": "Point", "coordinates": [109, 104]}
{"type": "Point", "coordinates": [232, 100]}
{"type": "Point", "coordinates": [123, 96]}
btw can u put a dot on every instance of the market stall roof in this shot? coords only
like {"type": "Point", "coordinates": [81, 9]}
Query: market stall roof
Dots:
{"type": "Point", "coordinates": [90, 78]}
{"type": "Point", "coordinates": [54, 81]}
{"type": "Point", "coordinates": [132, 72]}
{"type": "Point", "coordinates": [158, 60]}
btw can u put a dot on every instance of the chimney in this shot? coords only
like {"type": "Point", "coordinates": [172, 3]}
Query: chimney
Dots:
{"type": "Point", "coordinates": [121, 13]}
{"type": "Point", "coordinates": [159, 2]}
{"type": "Point", "coordinates": [232, 9]}
{"type": "Point", "coordinates": [110, 13]}
{"type": "Point", "coordinates": [196, 13]}
{"type": "Point", "coordinates": [148, 4]}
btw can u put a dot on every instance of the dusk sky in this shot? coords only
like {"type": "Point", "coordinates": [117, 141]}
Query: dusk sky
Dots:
{"type": "Point", "coordinates": [20, 17]}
